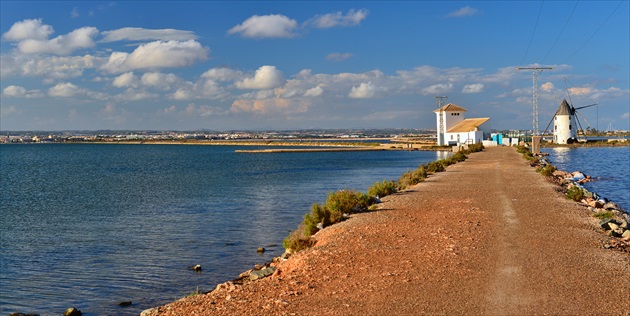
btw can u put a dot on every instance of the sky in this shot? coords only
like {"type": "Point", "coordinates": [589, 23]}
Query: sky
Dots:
{"type": "Point", "coordinates": [274, 65]}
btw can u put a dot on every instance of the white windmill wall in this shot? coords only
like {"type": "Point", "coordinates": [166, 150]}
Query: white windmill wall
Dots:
{"type": "Point", "coordinates": [564, 128]}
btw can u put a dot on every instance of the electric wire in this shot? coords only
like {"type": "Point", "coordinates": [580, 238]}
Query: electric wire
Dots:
{"type": "Point", "coordinates": [597, 30]}
{"type": "Point", "coordinates": [534, 32]}
{"type": "Point", "coordinates": [562, 31]}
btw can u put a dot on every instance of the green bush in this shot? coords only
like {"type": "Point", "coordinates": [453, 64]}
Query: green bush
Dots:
{"type": "Point", "coordinates": [382, 188]}
{"type": "Point", "coordinates": [435, 166]}
{"type": "Point", "coordinates": [475, 148]}
{"type": "Point", "coordinates": [603, 215]}
{"type": "Point", "coordinates": [411, 178]}
{"type": "Point", "coordinates": [347, 202]}
{"type": "Point", "coordinates": [298, 240]}
{"type": "Point", "coordinates": [575, 193]}
{"type": "Point", "coordinates": [546, 170]}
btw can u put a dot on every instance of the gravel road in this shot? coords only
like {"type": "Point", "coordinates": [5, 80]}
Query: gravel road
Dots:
{"type": "Point", "coordinates": [489, 236]}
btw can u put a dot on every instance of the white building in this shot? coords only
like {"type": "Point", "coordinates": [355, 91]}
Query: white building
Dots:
{"type": "Point", "coordinates": [564, 129]}
{"type": "Point", "coordinates": [454, 129]}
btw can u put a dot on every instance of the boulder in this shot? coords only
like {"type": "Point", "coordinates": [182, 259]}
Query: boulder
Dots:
{"type": "Point", "coordinates": [260, 250]}
{"type": "Point", "coordinates": [604, 223]}
{"type": "Point", "coordinates": [611, 206]}
{"type": "Point", "coordinates": [626, 234]}
{"type": "Point", "coordinates": [124, 303]}
{"type": "Point", "coordinates": [72, 312]}
{"type": "Point", "coordinates": [259, 274]}
{"type": "Point", "coordinates": [624, 224]}
{"type": "Point", "coordinates": [196, 268]}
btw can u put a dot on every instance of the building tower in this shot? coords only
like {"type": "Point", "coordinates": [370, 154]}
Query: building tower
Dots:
{"type": "Point", "coordinates": [564, 125]}
{"type": "Point", "coordinates": [447, 116]}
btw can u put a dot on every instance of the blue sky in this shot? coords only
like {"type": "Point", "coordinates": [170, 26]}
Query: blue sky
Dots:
{"type": "Point", "coordinates": [300, 65]}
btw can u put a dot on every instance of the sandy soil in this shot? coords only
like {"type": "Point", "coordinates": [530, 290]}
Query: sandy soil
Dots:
{"type": "Point", "coordinates": [488, 236]}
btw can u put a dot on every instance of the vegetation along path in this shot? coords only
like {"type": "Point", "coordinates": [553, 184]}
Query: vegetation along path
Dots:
{"type": "Point", "coordinates": [488, 236]}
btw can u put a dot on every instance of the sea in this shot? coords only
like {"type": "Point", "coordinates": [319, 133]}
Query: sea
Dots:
{"type": "Point", "coordinates": [93, 225]}
{"type": "Point", "coordinates": [609, 167]}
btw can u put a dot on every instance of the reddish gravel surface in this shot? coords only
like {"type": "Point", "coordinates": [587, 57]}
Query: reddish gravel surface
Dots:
{"type": "Point", "coordinates": [488, 236]}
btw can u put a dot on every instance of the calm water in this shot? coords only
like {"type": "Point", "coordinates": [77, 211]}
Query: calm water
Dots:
{"type": "Point", "coordinates": [609, 166]}
{"type": "Point", "coordinates": [93, 225]}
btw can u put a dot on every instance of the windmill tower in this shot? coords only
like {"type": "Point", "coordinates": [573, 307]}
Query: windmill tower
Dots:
{"type": "Point", "coordinates": [564, 124]}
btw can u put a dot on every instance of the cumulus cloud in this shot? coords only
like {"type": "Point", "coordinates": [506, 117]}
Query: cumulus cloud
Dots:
{"type": "Point", "coordinates": [465, 11]}
{"type": "Point", "coordinates": [157, 54]}
{"type": "Point", "coordinates": [125, 80]}
{"type": "Point", "coordinates": [28, 29]}
{"type": "Point", "coordinates": [141, 34]}
{"type": "Point", "coordinates": [159, 80]}
{"type": "Point", "coordinates": [222, 74]}
{"type": "Point", "coordinates": [352, 18]}
{"type": "Point", "coordinates": [439, 88]}
{"type": "Point", "coordinates": [21, 92]}
{"type": "Point", "coordinates": [266, 77]}
{"type": "Point", "coordinates": [66, 89]}
{"type": "Point", "coordinates": [547, 86]}
{"type": "Point", "coordinates": [363, 91]}
{"type": "Point", "coordinates": [48, 67]}
{"type": "Point", "coordinates": [338, 56]}
{"type": "Point", "coordinates": [266, 26]}
{"type": "Point", "coordinates": [62, 44]}
{"type": "Point", "coordinates": [314, 92]}
{"type": "Point", "coordinates": [473, 88]}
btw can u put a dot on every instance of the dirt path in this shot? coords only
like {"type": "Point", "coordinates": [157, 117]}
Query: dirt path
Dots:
{"type": "Point", "coordinates": [489, 236]}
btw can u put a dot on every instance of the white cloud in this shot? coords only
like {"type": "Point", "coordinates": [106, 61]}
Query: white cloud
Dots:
{"type": "Point", "coordinates": [66, 89]}
{"type": "Point", "coordinates": [352, 18]}
{"type": "Point", "coordinates": [314, 92]}
{"type": "Point", "coordinates": [338, 56]}
{"type": "Point", "coordinates": [439, 88]}
{"type": "Point", "coordinates": [547, 86]}
{"type": "Point", "coordinates": [625, 115]}
{"type": "Point", "coordinates": [21, 92]}
{"type": "Point", "coordinates": [159, 80]}
{"type": "Point", "coordinates": [157, 55]}
{"type": "Point", "coordinates": [47, 67]}
{"type": "Point", "coordinates": [62, 44]}
{"type": "Point", "coordinates": [141, 34]}
{"type": "Point", "coordinates": [222, 74]}
{"type": "Point", "coordinates": [465, 11]}
{"type": "Point", "coordinates": [363, 91]}
{"type": "Point", "coordinates": [28, 29]}
{"type": "Point", "coordinates": [266, 26]}
{"type": "Point", "coordinates": [266, 77]}
{"type": "Point", "coordinates": [75, 13]}
{"type": "Point", "coordinates": [473, 88]}
{"type": "Point", "coordinates": [269, 106]}
{"type": "Point", "coordinates": [125, 80]}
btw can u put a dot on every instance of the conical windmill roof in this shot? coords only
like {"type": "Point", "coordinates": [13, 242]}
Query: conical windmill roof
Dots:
{"type": "Point", "coordinates": [564, 108]}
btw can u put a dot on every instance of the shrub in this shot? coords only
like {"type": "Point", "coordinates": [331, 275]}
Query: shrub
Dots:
{"type": "Point", "coordinates": [297, 240]}
{"type": "Point", "coordinates": [603, 215]}
{"type": "Point", "coordinates": [382, 188]}
{"type": "Point", "coordinates": [347, 202]}
{"type": "Point", "coordinates": [575, 193]}
{"type": "Point", "coordinates": [546, 170]}
{"type": "Point", "coordinates": [435, 166]}
{"type": "Point", "coordinates": [414, 177]}
{"type": "Point", "coordinates": [475, 147]}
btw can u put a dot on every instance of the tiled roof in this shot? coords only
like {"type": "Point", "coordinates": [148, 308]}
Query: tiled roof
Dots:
{"type": "Point", "coordinates": [451, 108]}
{"type": "Point", "coordinates": [468, 125]}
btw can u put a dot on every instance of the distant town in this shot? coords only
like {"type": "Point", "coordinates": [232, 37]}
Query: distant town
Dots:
{"type": "Point", "coordinates": [7, 137]}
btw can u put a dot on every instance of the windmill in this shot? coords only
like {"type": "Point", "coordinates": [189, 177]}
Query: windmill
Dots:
{"type": "Point", "coordinates": [566, 121]}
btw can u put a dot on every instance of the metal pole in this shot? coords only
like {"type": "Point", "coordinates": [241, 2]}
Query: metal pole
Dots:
{"type": "Point", "coordinates": [535, 71]}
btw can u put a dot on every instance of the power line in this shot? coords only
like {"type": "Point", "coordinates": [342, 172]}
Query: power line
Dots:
{"type": "Point", "coordinates": [592, 35]}
{"type": "Point", "coordinates": [534, 32]}
{"type": "Point", "coordinates": [535, 96]}
{"type": "Point", "coordinates": [562, 31]}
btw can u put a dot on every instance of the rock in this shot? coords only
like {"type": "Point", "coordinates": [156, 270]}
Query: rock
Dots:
{"type": "Point", "coordinates": [124, 303]}
{"type": "Point", "coordinates": [611, 206]}
{"type": "Point", "coordinates": [72, 312]}
{"type": "Point", "coordinates": [617, 232]}
{"type": "Point", "coordinates": [245, 274]}
{"type": "Point", "coordinates": [604, 223]}
{"type": "Point", "coordinates": [197, 268]}
{"type": "Point", "coordinates": [22, 314]}
{"type": "Point", "coordinates": [623, 224]}
{"type": "Point", "coordinates": [259, 274]}
{"type": "Point", "coordinates": [260, 250]}
{"type": "Point", "coordinates": [612, 226]}
{"type": "Point", "coordinates": [626, 234]}
{"type": "Point", "coordinates": [148, 312]}
{"type": "Point", "coordinates": [285, 255]}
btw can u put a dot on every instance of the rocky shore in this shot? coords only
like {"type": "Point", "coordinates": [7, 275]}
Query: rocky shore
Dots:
{"type": "Point", "coordinates": [488, 236]}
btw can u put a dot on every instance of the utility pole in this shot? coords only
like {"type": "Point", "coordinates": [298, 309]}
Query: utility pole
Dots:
{"type": "Point", "coordinates": [440, 103]}
{"type": "Point", "coordinates": [535, 70]}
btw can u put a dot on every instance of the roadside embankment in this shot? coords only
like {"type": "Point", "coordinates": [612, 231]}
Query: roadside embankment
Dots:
{"type": "Point", "coordinates": [487, 236]}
